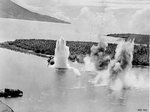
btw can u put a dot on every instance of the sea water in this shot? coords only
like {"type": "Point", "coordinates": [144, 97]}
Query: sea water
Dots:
{"type": "Point", "coordinates": [51, 90]}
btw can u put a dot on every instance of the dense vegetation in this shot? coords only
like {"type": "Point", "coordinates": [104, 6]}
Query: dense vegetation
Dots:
{"type": "Point", "coordinates": [78, 49]}
{"type": "Point", "coordinates": [48, 46]}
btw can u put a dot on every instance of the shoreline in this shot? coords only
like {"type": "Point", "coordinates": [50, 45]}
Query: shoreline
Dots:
{"type": "Point", "coordinates": [45, 49]}
{"type": "Point", "coordinates": [21, 50]}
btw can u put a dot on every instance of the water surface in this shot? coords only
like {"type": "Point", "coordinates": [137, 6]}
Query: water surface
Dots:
{"type": "Point", "coordinates": [49, 90]}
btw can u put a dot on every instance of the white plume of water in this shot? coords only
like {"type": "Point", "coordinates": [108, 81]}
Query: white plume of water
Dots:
{"type": "Point", "coordinates": [61, 54]}
{"type": "Point", "coordinates": [61, 57]}
{"type": "Point", "coordinates": [124, 52]}
{"type": "Point", "coordinates": [121, 65]}
{"type": "Point", "coordinates": [120, 73]}
{"type": "Point", "coordinates": [97, 60]}
{"type": "Point", "coordinates": [128, 76]}
{"type": "Point", "coordinates": [88, 64]}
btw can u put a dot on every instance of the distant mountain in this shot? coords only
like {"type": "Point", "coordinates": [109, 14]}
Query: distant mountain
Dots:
{"type": "Point", "coordinates": [139, 38]}
{"type": "Point", "coordinates": [9, 9]}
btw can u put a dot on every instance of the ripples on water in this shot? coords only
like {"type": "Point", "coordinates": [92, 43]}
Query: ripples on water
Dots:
{"type": "Point", "coordinates": [49, 90]}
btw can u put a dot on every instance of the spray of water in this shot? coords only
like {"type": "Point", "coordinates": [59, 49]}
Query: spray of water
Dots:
{"type": "Point", "coordinates": [136, 81]}
{"type": "Point", "coordinates": [88, 64]}
{"type": "Point", "coordinates": [119, 73]}
{"type": "Point", "coordinates": [61, 54]}
{"type": "Point", "coordinates": [121, 65]}
{"type": "Point", "coordinates": [97, 60]}
{"type": "Point", "coordinates": [61, 57]}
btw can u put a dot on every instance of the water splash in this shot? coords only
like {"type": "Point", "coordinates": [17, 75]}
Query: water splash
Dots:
{"type": "Point", "coordinates": [61, 57]}
{"type": "Point", "coordinates": [138, 81]}
{"type": "Point", "coordinates": [88, 64]}
{"type": "Point", "coordinates": [97, 60]}
{"type": "Point", "coordinates": [119, 74]}
{"type": "Point", "coordinates": [61, 54]}
{"type": "Point", "coordinates": [119, 67]}
{"type": "Point", "coordinates": [124, 53]}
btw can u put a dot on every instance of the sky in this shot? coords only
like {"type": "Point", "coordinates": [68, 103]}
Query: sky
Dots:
{"type": "Point", "coordinates": [109, 16]}
{"type": "Point", "coordinates": [89, 19]}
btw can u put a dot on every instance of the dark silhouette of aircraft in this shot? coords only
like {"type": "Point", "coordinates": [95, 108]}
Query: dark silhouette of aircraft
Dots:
{"type": "Point", "coordinates": [9, 9]}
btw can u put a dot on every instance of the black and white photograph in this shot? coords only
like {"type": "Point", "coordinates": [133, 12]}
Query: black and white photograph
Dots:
{"type": "Point", "coordinates": [74, 55]}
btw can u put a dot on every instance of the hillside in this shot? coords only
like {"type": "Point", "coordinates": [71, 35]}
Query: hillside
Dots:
{"type": "Point", "coordinates": [9, 9]}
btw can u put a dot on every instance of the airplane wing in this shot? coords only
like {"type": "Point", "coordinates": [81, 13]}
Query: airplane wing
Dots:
{"type": "Point", "coordinates": [9, 9]}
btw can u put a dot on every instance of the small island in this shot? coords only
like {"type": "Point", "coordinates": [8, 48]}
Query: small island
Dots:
{"type": "Point", "coordinates": [78, 49]}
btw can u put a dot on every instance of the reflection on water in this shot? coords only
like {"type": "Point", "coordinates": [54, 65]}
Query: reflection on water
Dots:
{"type": "Point", "coordinates": [49, 90]}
